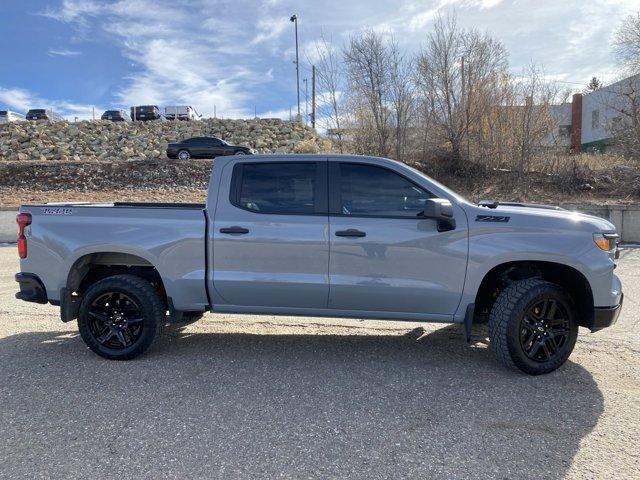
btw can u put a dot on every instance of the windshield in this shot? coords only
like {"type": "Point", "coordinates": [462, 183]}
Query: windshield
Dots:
{"type": "Point", "coordinates": [447, 190]}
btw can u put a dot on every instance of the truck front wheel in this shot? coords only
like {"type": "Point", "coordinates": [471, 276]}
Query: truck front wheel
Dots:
{"type": "Point", "coordinates": [532, 326]}
{"type": "Point", "coordinates": [120, 317]}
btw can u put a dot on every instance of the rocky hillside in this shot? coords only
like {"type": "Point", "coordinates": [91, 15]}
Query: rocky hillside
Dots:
{"type": "Point", "coordinates": [107, 141]}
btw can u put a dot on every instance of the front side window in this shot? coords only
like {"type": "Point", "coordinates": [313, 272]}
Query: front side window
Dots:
{"type": "Point", "coordinates": [367, 190]}
{"type": "Point", "coordinates": [276, 188]}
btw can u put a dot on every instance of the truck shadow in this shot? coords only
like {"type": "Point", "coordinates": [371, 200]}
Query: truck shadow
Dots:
{"type": "Point", "coordinates": [255, 406]}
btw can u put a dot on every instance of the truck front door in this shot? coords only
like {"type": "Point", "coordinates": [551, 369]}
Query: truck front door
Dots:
{"type": "Point", "coordinates": [270, 235]}
{"type": "Point", "coordinates": [383, 256]}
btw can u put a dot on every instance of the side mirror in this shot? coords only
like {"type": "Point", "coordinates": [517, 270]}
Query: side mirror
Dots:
{"type": "Point", "coordinates": [439, 209]}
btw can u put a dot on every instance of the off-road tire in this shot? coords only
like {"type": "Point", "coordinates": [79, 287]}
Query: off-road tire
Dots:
{"type": "Point", "coordinates": [505, 325]}
{"type": "Point", "coordinates": [149, 304]}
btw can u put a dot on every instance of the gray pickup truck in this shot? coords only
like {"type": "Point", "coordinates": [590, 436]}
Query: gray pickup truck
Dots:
{"type": "Point", "coordinates": [324, 235]}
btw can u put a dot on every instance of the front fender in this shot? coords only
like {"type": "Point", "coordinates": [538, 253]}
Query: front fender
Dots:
{"type": "Point", "coordinates": [490, 248]}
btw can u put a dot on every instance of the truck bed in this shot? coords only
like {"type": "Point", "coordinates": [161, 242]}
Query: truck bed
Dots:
{"type": "Point", "coordinates": [169, 236]}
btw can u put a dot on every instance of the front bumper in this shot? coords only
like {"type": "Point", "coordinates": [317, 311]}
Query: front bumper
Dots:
{"type": "Point", "coordinates": [604, 317]}
{"type": "Point", "coordinates": [31, 288]}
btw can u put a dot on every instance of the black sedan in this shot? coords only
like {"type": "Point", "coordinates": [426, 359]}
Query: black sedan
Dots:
{"type": "Point", "coordinates": [116, 116]}
{"type": "Point", "coordinates": [204, 147]}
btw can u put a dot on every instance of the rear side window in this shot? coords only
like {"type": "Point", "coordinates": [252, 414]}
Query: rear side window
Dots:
{"type": "Point", "coordinates": [284, 188]}
{"type": "Point", "coordinates": [367, 190]}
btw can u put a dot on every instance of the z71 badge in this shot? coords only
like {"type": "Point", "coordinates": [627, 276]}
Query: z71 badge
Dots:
{"type": "Point", "coordinates": [492, 218]}
{"type": "Point", "coordinates": [57, 211]}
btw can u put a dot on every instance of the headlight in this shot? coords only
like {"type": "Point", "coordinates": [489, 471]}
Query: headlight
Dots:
{"type": "Point", "coordinates": [605, 241]}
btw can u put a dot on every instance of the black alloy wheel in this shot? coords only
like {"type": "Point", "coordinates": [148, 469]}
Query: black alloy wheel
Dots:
{"type": "Point", "coordinates": [115, 320]}
{"type": "Point", "coordinates": [120, 316]}
{"type": "Point", "coordinates": [545, 330]}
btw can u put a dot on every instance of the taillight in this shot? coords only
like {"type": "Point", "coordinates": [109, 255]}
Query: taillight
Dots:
{"type": "Point", "coordinates": [23, 220]}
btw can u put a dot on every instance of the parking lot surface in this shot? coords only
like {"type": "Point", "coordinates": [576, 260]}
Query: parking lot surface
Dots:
{"type": "Point", "coordinates": [288, 397]}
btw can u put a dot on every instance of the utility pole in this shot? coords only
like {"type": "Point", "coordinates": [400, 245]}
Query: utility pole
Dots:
{"type": "Point", "coordinates": [214, 110]}
{"type": "Point", "coordinates": [306, 101]}
{"type": "Point", "coordinates": [294, 19]}
{"type": "Point", "coordinates": [93, 109]}
{"type": "Point", "coordinates": [313, 97]}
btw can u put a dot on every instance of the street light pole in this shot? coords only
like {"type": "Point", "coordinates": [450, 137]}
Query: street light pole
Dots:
{"type": "Point", "coordinates": [294, 19]}
{"type": "Point", "coordinates": [306, 101]}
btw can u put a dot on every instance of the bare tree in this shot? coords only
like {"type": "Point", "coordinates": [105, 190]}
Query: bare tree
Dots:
{"type": "Point", "coordinates": [402, 92]}
{"type": "Point", "coordinates": [456, 70]}
{"type": "Point", "coordinates": [624, 107]}
{"type": "Point", "coordinates": [366, 58]}
{"type": "Point", "coordinates": [627, 43]}
{"type": "Point", "coordinates": [535, 121]}
{"type": "Point", "coordinates": [329, 77]}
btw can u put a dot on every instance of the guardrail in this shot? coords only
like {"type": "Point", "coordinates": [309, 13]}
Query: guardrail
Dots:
{"type": "Point", "coordinates": [8, 226]}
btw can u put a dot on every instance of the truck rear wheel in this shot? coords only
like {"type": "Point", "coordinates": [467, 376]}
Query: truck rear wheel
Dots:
{"type": "Point", "coordinates": [532, 326]}
{"type": "Point", "coordinates": [120, 317]}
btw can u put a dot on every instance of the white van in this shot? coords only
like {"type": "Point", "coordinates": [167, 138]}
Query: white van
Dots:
{"type": "Point", "coordinates": [7, 116]}
{"type": "Point", "coordinates": [181, 112]}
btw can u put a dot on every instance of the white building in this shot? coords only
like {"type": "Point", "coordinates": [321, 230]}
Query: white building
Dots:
{"type": "Point", "coordinates": [604, 109]}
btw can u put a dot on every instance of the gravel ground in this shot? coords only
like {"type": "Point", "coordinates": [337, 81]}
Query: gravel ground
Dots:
{"type": "Point", "coordinates": [266, 397]}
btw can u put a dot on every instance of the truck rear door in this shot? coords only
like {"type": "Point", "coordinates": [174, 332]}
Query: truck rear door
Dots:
{"type": "Point", "coordinates": [270, 235]}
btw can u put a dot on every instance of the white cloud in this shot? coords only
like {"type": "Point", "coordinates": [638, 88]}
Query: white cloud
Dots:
{"type": "Point", "coordinates": [63, 53]}
{"type": "Point", "coordinates": [72, 10]}
{"type": "Point", "coordinates": [22, 100]}
{"type": "Point", "coordinates": [207, 53]}
{"type": "Point", "coordinates": [490, 3]}
{"type": "Point", "coordinates": [180, 59]}
{"type": "Point", "coordinates": [269, 29]}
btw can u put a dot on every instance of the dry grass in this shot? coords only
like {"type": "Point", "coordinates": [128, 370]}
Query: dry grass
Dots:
{"type": "Point", "coordinates": [564, 162]}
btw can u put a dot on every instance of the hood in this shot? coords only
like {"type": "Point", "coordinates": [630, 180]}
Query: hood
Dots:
{"type": "Point", "coordinates": [542, 216]}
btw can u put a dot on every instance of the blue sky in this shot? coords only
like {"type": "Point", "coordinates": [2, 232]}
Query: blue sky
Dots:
{"type": "Point", "coordinates": [72, 55]}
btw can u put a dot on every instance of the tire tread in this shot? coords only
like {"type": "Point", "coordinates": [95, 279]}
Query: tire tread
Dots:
{"type": "Point", "coordinates": [508, 304]}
